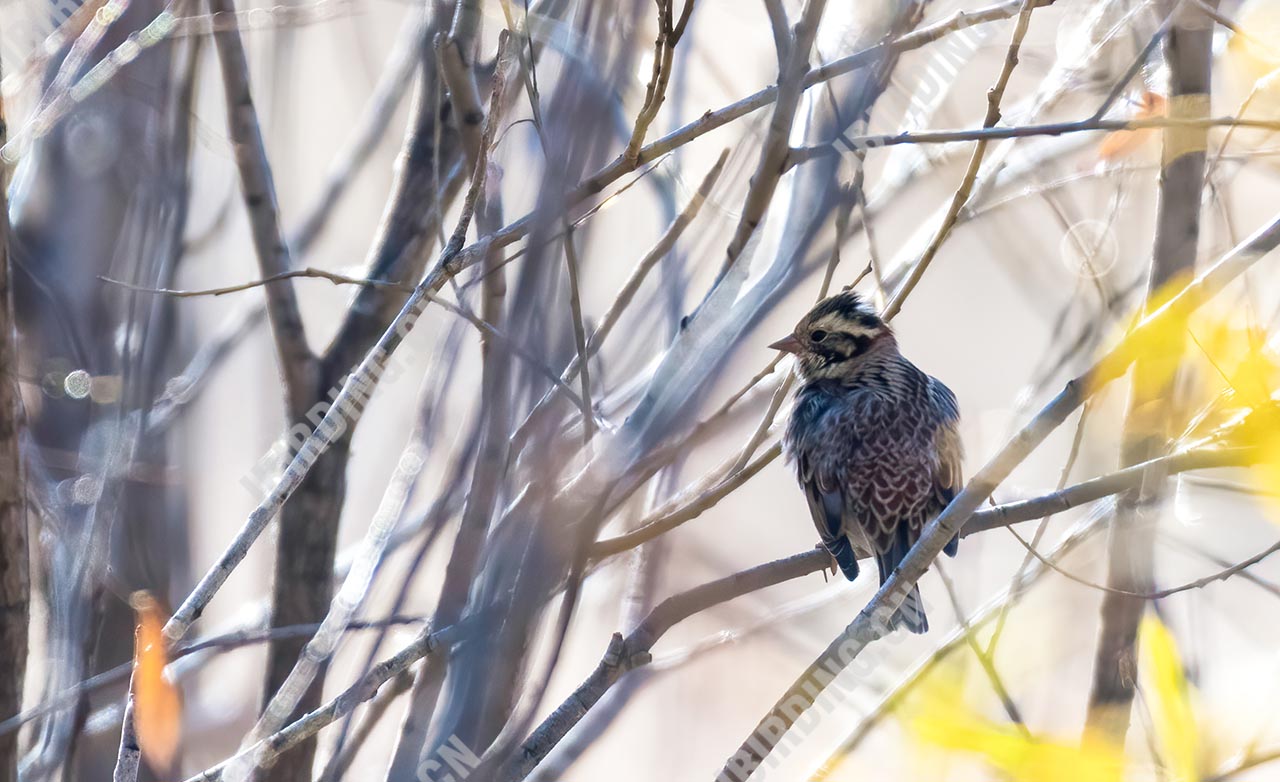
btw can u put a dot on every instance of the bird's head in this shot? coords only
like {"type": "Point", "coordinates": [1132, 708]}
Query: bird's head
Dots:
{"type": "Point", "coordinates": [837, 335]}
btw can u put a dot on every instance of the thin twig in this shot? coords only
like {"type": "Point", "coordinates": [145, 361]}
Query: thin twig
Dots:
{"type": "Point", "coordinates": [627, 293]}
{"type": "Point", "coordinates": [1159, 594]}
{"type": "Point", "coordinates": [558, 384]}
{"type": "Point", "coordinates": [668, 518]}
{"type": "Point", "coordinates": [994, 96]}
{"type": "Point", "coordinates": [984, 658]}
{"type": "Point", "coordinates": [1066, 128]}
{"type": "Point", "coordinates": [669, 33]}
{"type": "Point", "coordinates": [579, 337]}
{"type": "Point", "coordinates": [1012, 595]}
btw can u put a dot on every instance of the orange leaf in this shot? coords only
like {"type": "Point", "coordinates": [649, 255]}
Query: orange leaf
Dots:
{"type": "Point", "coordinates": [1123, 142]}
{"type": "Point", "coordinates": [157, 707]}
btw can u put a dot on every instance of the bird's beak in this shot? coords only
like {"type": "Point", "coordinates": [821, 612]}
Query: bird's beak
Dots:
{"type": "Point", "coordinates": [788, 344]}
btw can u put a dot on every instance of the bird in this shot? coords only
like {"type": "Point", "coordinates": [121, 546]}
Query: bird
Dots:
{"type": "Point", "coordinates": [873, 439]}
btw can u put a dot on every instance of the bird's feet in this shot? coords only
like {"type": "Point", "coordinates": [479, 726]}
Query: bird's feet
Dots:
{"type": "Point", "coordinates": [832, 565]}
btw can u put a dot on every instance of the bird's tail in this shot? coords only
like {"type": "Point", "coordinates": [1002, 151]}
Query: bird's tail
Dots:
{"type": "Point", "coordinates": [910, 614]}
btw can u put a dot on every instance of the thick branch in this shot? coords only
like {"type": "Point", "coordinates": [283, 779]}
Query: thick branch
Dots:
{"type": "Point", "coordinates": [297, 364]}
{"type": "Point", "coordinates": [1131, 548]}
{"type": "Point", "coordinates": [15, 582]}
{"type": "Point", "coordinates": [486, 483]}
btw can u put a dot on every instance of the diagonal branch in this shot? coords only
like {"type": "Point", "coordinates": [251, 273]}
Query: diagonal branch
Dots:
{"type": "Point", "coordinates": [776, 148]}
{"type": "Point", "coordinates": [672, 611]}
{"type": "Point", "coordinates": [873, 622]}
{"type": "Point", "coordinates": [994, 96]}
{"type": "Point", "coordinates": [624, 654]}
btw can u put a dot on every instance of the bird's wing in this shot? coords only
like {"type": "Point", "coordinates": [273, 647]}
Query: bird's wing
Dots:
{"type": "Point", "coordinates": [890, 471]}
{"type": "Point", "coordinates": [892, 482]}
{"type": "Point", "coordinates": [826, 505]}
{"type": "Point", "coordinates": [948, 479]}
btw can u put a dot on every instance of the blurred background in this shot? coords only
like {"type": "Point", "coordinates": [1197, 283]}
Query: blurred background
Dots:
{"type": "Point", "coordinates": [473, 485]}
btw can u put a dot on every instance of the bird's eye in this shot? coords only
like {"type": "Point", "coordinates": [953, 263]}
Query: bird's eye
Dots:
{"type": "Point", "coordinates": [818, 335]}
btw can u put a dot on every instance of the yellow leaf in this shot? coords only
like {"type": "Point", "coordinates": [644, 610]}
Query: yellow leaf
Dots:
{"type": "Point", "coordinates": [157, 706]}
{"type": "Point", "coordinates": [1250, 68]}
{"type": "Point", "coordinates": [1156, 346]}
{"type": "Point", "coordinates": [1169, 701]}
{"type": "Point", "coordinates": [1260, 429]}
{"type": "Point", "coordinates": [1231, 378]}
{"type": "Point", "coordinates": [1242, 383]}
{"type": "Point", "coordinates": [940, 718]}
{"type": "Point", "coordinates": [1236, 361]}
{"type": "Point", "coordinates": [1256, 45]}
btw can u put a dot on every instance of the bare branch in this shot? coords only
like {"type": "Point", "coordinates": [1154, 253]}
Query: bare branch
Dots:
{"type": "Point", "coordinates": [572, 265]}
{"type": "Point", "coordinates": [374, 121]}
{"type": "Point", "coordinates": [874, 620]}
{"type": "Point", "coordinates": [994, 96]}
{"type": "Point", "coordinates": [15, 579]}
{"type": "Point", "coordinates": [368, 370]}
{"type": "Point", "coordinates": [776, 145]}
{"type": "Point", "coordinates": [1148, 423]}
{"type": "Point", "coordinates": [664, 48]}
{"type": "Point", "coordinates": [781, 28]}
{"type": "Point", "coordinates": [559, 385]}
{"type": "Point", "coordinates": [627, 653]}
{"type": "Point", "coordinates": [666, 519]}
{"type": "Point", "coordinates": [297, 363]}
